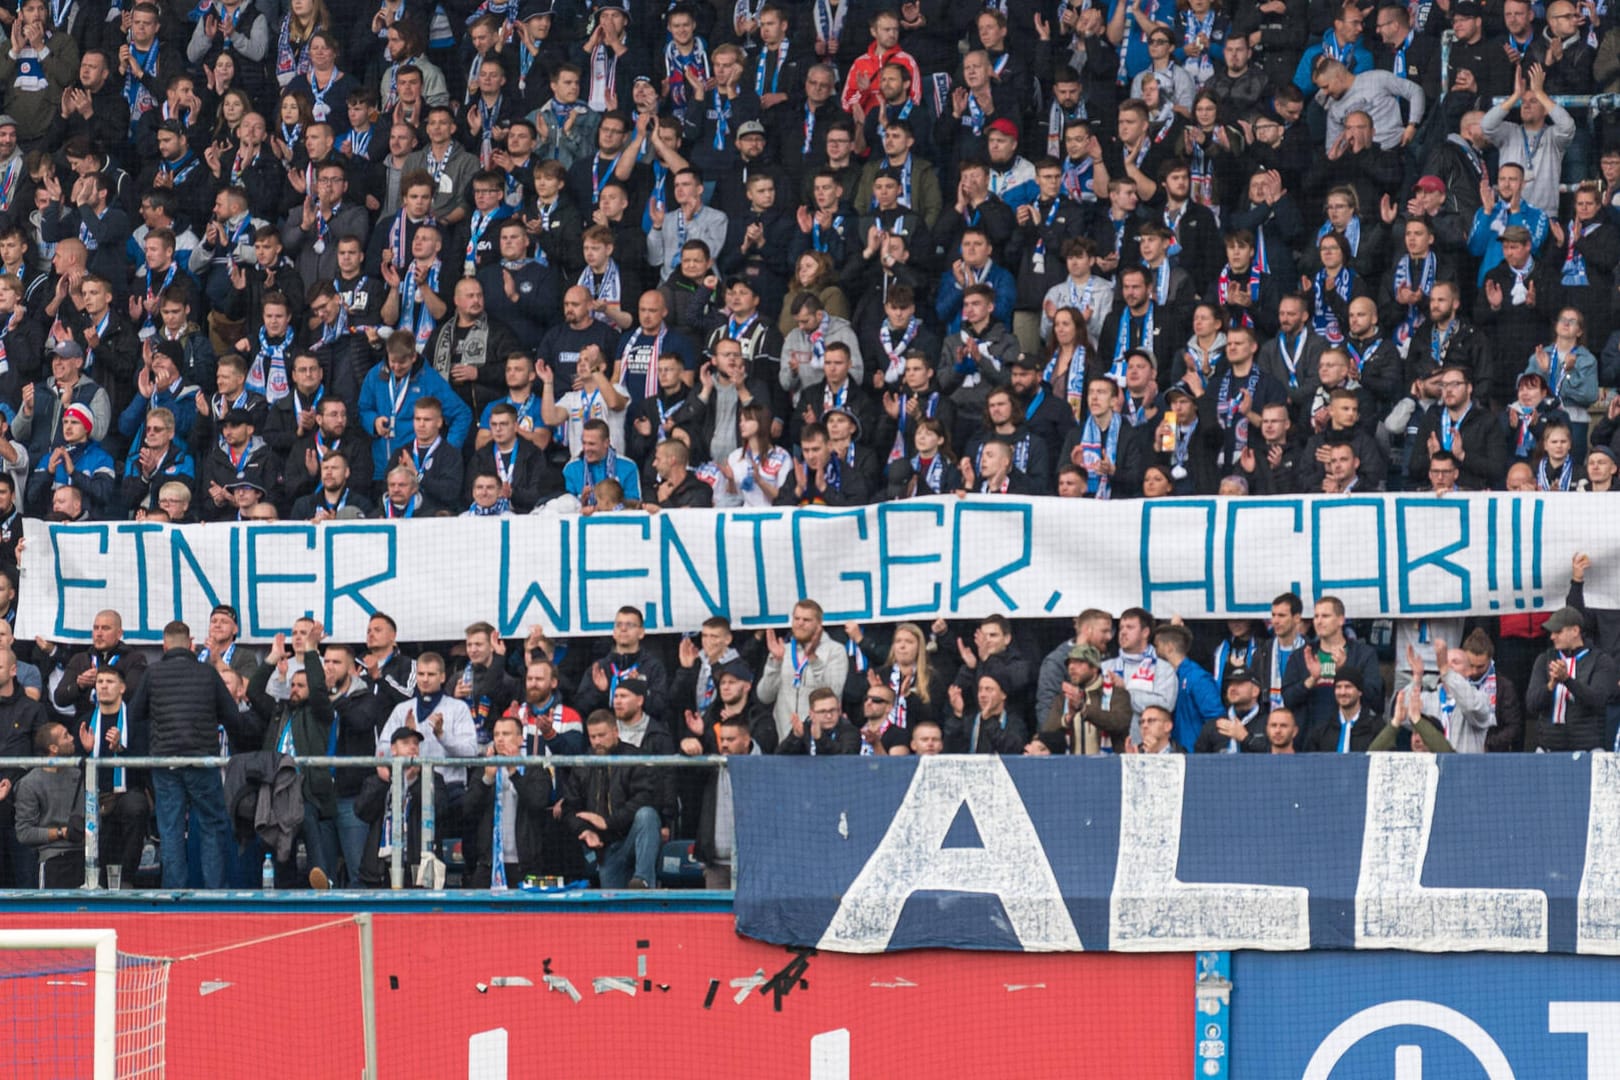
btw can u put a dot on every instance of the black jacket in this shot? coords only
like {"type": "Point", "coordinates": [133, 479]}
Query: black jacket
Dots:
{"type": "Point", "coordinates": [489, 694]}
{"type": "Point", "coordinates": [1590, 691]}
{"type": "Point", "coordinates": [853, 488]}
{"type": "Point", "coordinates": [1324, 738]}
{"type": "Point", "coordinates": [372, 806]}
{"type": "Point", "coordinates": [298, 481]}
{"type": "Point", "coordinates": [1007, 737]}
{"type": "Point", "coordinates": [843, 739]}
{"type": "Point", "coordinates": [1515, 329]}
{"type": "Point", "coordinates": [490, 385]}
{"type": "Point", "coordinates": [1211, 741]}
{"type": "Point", "coordinates": [259, 467]}
{"type": "Point", "coordinates": [690, 492]}
{"type": "Point", "coordinates": [1469, 348]}
{"type": "Point", "coordinates": [1169, 335]}
{"type": "Point", "coordinates": [395, 682]}
{"type": "Point", "coordinates": [1370, 476]}
{"type": "Point", "coordinates": [1199, 234]}
{"type": "Point", "coordinates": [1315, 707]}
{"type": "Point", "coordinates": [1279, 479]}
{"type": "Point", "coordinates": [1484, 453]}
{"type": "Point", "coordinates": [1038, 273]}
{"type": "Point", "coordinates": [906, 482]}
{"type": "Point", "coordinates": [1450, 160]}
{"type": "Point", "coordinates": [682, 410]}
{"type": "Point", "coordinates": [615, 792]}
{"type": "Point", "coordinates": [441, 480]}
{"type": "Point", "coordinates": [587, 698]}
{"type": "Point", "coordinates": [71, 698]}
{"type": "Point", "coordinates": [352, 496]}
{"type": "Point", "coordinates": [1601, 251]}
{"type": "Point", "coordinates": [183, 702]}
{"type": "Point", "coordinates": [135, 745]}
{"type": "Point", "coordinates": [761, 726]}
{"type": "Point", "coordinates": [534, 478]}
{"type": "Point", "coordinates": [1010, 667]}
{"type": "Point", "coordinates": [1572, 74]}
{"type": "Point", "coordinates": [20, 717]}
{"type": "Point", "coordinates": [1422, 63]}
{"type": "Point", "coordinates": [360, 717]}
{"type": "Point", "coordinates": [1203, 451]}
{"type": "Point", "coordinates": [1383, 370]}
{"type": "Point", "coordinates": [533, 787]}
{"type": "Point", "coordinates": [1130, 452]}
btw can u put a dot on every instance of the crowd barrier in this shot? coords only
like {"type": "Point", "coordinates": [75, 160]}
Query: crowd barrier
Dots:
{"type": "Point", "coordinates": [399, 766]}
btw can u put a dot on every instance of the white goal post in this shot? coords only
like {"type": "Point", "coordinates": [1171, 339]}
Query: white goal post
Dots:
{"type": "Point", "coordinates": [105, 944]}
{"type": "Point", "coordinates": [130, 994]}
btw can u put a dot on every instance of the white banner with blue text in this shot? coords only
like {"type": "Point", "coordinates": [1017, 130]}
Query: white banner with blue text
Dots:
{"type": "Point", "coordinates": [1415, 555]}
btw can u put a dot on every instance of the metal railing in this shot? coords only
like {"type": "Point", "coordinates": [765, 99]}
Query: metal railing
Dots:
{"type": "Point", "coordinates": [1592, 104]}
{"type": "Point", "coordinates": [397, 766]}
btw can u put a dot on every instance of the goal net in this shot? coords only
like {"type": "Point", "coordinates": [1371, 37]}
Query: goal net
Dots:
{"type": "Point", "coordinates": [72, 1005]}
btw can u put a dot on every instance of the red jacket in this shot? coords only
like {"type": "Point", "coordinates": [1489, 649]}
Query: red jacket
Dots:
{"type": "Point", "coordinates": [1523, 626]}
{"type": "Point", "coordinates": [869, 64]}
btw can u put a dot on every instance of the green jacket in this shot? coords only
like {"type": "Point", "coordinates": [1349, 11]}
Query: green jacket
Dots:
{"type": "Point", "coordinates": [1427, 730]}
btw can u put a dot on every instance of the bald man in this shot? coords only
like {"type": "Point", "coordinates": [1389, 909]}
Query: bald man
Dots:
{"type": "Point", "coordinates": [1376, 356]}
{"type": "Point", "coordinates": [578, 330]}
{"type": "Point", "coordinates": [75, 694]}
{"type": "Point", "coordinates": [68, 264]}
{"type": "Point", "coordinates": [469, 349]}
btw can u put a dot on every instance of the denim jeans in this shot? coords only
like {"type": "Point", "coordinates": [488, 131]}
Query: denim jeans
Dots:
{"type": "Point", "coordinates": [634, 856]}
{"type": "Point", "coordinates": [177, 792]}
{"type": "Point", "coordinates": [352, 833]}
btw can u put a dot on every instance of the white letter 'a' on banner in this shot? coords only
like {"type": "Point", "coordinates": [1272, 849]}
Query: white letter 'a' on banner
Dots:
{"type": "Point", "coordinates": [1150, 911]}
{"type": "Point", "coordinates": [1597, 927]}
{"type": "Point", "coordinates": [1394, 910]}
{"type": "Point", "coordinates": [1011, 865]}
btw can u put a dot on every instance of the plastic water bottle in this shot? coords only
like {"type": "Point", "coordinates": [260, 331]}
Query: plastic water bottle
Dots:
{"type": "Point", "coordinates": [267, 876]}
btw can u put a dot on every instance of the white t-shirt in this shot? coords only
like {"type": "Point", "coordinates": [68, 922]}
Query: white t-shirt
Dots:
{"type": "Point", "coordinates": [590, 405]}
{"type": "Point", "coordinates": [776, 466]}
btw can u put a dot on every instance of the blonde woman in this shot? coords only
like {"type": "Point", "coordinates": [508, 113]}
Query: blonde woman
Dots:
{"type": "Point", "coordinates": [917, 689]}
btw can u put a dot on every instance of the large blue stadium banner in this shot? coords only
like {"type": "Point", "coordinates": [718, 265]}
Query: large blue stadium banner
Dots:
{"type": "Point", "coordinates": [1171, 853]}
{"type": "Point", "coordinates": [1397, 555]}
{"type": "Point", "coordinates": [1402, 1015]}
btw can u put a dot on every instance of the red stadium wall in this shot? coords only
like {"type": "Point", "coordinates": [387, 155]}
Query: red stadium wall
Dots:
{"type": "Point", "coordinates": [291, 1007]}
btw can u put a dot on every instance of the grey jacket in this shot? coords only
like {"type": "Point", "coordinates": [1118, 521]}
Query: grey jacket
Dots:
{"type": "Point", "coordinates": [992, 363]}
{"type": "Point", "coordinates": [265, 798]}
{"type": "Point", "coordinates": [50, 799]}
{"type": "Point", "coordinates": [797, 346]}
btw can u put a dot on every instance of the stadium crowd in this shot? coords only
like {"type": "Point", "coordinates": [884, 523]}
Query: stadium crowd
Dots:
{"type": "Point", "coordinates": [303, 260]}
